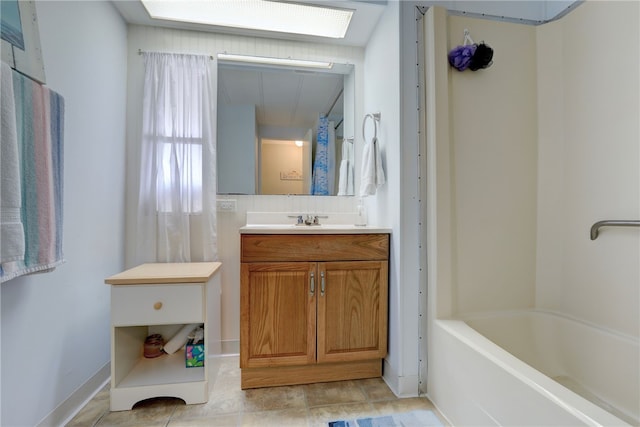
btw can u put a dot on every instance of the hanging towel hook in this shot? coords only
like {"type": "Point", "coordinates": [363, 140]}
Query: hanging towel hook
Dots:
{"type": "Point", "coordinates": [467, 37]}
{"type": "Point", "coordinates": [376, 118]}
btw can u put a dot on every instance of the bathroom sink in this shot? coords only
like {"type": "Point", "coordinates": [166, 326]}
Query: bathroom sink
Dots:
{"type": "Point", "coordinates": [310, 229]}
{"type": "Point", "coordinates": [285, 223]}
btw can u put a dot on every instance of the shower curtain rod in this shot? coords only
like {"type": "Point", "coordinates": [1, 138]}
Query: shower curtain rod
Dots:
{"type": "Point", "coordinates": [335, 101]}
{"type": "Point", "coordinates": [140, 52]}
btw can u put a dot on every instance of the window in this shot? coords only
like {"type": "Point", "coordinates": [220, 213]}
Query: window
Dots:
{"type": "Point", "coordinates": [179, 178]}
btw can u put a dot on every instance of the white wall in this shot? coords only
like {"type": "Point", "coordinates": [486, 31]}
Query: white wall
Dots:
{"type": "Point", "coordinates": [55, 326]}
{"type": "Point", "coordinates": [169, 40]}
{"type": "Point", "coordinates": [482, 170]}
{"type": "Point", "coordinates": [589, 165]}
{"type": "Point", "coordinates": [494, 169]}
{"type": "Point", "coordinates": [395, 203]}
{"type": "Point", "coordinates": [521, 228]}
{"type": "Point", "coordinates": [279, 156]}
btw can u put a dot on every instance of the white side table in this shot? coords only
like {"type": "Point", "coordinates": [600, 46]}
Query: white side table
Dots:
{"type": "Point", "coordinates": [161, 298]}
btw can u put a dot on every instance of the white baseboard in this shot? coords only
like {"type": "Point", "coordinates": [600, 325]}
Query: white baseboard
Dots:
{"type": "Point", "coordinates": [230, 347]}
{"type": "Point", "coordinates": [400, 386]}
{"type": "Point", "coordinates": [68, 409]}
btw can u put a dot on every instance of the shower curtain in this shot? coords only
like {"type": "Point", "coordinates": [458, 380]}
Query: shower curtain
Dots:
{"type": "Point", "coordinates": [177, 197]}
{"type": "Point", "coordinates": [324, 159]}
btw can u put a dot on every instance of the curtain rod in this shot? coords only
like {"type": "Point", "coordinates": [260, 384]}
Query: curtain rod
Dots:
{"type": "Point", "coordinates": [24, 74]}
{"type": "Point", "coordinates": [335, 101]}
{"type": "Point", "coordinates": [140, 52]}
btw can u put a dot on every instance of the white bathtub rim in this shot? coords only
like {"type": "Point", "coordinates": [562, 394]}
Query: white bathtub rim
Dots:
{"type": "Point", "coordinates": [529, 315]}
{"type": "Point", "coordinates": [571, 402]}
{"type": "Point", "coordinates": [627, 338]}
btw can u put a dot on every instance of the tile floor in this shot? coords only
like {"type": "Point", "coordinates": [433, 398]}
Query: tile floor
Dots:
{"type": "Point", "coordinates": [304, 405]}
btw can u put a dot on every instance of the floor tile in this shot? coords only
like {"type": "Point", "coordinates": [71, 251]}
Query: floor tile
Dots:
{"type": "Point", "coordinates": [289, 417]}
{"type": "Point", "coordinates": [229, 420]}
{"type": "Point", "coordinates": [402, 405]}
{"type": "Point", "coordinates": [272, 398]}
{"type": "Point", "coordinates": [220, 402]}
{"type": "Point", "coordinates": [311, 405]}
{"type": "Point", "coordinates": [321, 415]}
{"type": "Point", "coordinates": [333, 393]}
{"type": "Point", "coordinates": [95, 409]}
{"type": "Point", "coordinates": [376, 389]}
{"type": "Point", "coordinates": [151, 412]}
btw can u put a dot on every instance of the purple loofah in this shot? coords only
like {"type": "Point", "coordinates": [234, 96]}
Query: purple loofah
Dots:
{"type": "Point", "coordinates": [460, 57]}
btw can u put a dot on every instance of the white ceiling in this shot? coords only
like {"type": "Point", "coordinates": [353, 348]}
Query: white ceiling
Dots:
{"type": "Point", "coordinates": [285, 98]}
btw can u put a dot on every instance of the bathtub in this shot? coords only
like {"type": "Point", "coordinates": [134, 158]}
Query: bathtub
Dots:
{"type": "Point", "coordinates": [533, 368]}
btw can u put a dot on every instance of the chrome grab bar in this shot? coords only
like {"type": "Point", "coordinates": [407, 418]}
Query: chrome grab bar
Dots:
{"type": "Point", "coordinates": [611, 223]}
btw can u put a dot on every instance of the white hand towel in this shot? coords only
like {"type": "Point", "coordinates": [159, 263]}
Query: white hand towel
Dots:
{"type": "Point", "coordinates": [372, 171]}
{"type": "Point", "coordinates": [345, 182]}
{"type": "Point", "coordinates": [343, 178]}
{"type": "Point", "coordinates": [12, 243]}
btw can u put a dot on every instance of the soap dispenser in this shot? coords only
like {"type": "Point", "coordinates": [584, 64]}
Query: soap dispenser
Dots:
{"type": "Point", "coordinates": [361, 220]}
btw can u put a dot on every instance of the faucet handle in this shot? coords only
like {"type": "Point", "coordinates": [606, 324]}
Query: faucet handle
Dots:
{"type": "Point", "coordinates": [298, 218]}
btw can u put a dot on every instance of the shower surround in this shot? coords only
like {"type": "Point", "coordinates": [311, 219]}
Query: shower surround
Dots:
{"type": "Point", "coordinates": [524, 157]}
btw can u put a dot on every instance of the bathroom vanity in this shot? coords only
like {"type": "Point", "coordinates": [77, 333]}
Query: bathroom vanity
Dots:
{"type": "Point", "coordinates": [313, 303]}
{"type": "Point", "coordinates": [161, 298]}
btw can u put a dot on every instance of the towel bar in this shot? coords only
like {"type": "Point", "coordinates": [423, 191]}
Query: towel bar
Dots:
{"type": "Point", "coordinates": [611, 223]}
{"type": "Point", "coordinates": [376, 118]}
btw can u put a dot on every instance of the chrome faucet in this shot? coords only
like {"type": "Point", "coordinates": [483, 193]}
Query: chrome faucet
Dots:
{"type": "Point", "coordinates": [311, 220]}
{"type": "Point", "coordinates": [308, 220]}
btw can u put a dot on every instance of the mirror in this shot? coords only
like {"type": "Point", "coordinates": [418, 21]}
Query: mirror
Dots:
{"type": "Point", "coordinates": [284, 129]}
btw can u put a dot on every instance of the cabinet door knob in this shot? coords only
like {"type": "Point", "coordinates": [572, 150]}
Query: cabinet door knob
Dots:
{"type": "Point", "coordinates": [322, 283]}
{"type": "Point", "coordinates": [157, 306]}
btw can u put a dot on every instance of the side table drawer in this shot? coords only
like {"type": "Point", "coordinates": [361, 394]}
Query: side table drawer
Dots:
{"type": "Point", "coordinates": [157, 304]}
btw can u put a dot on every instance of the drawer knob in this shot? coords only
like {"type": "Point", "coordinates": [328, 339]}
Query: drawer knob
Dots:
{"type": "Point", "coordinates": [157, 305]}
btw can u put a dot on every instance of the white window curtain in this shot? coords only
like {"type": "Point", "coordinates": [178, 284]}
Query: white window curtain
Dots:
{"type": "Point", "coordinates": [177, 198]}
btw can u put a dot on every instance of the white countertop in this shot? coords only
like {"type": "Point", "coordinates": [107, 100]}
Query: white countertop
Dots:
{"type": "Point", "coordinates": [330, 223]}
{"type": "Point", "coordinates": [312, 229]}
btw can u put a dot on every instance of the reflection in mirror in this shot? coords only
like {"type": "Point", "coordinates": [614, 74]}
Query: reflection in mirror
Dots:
{"type": "Point", "coordinates": [285, 130]}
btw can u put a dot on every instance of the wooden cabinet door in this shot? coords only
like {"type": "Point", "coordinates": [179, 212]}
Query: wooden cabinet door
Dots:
{"type": "Point", "coordinates": [278, 314]}
{"type": "Point", "coordinates": [352, 311]}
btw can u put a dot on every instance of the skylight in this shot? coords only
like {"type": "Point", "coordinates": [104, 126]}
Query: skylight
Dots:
{"type": "Point", "coordinates": [262, 15]}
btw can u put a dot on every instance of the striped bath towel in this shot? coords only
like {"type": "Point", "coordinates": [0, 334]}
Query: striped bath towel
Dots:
{"type": "Point", "coordinates": [11, 228]}
{"type": "Point", "coordinates": [40, 134]}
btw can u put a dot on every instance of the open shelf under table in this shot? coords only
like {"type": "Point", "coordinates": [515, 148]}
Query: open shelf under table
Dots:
{"type": "Point", "coordinates": [165, 369]}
